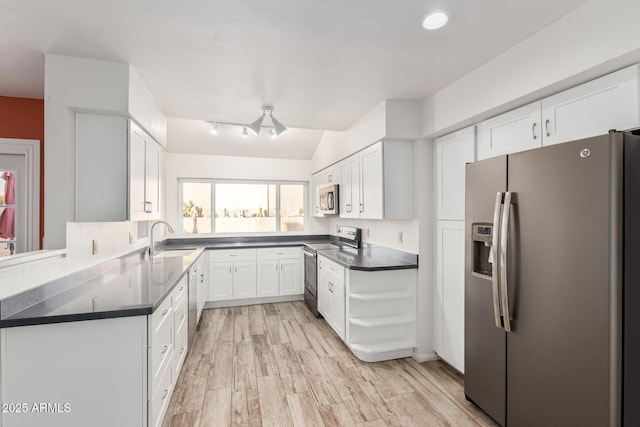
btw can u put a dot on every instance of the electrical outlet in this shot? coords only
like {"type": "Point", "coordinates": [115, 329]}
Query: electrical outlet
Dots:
{"type": "Point", "coordinates": [94, 247]}
{"type": "Point", "coordinates": [368, 232]}
{"type": "Point", "coordinates": [400, 238]}
{"type": "Point", "coordinates": [130, 238]}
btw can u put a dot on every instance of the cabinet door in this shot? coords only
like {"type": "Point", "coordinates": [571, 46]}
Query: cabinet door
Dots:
{"type": "Point", "coordinates": [323, 290]}
{"type": "Point", "coordinates": [591, 109]}
{"type": "Point", "coordinates": [517, 130]}
{"type": "Point", "coordinates": [101, 168]}
{"type": "Point", "coordinates": [449, 298]}
{"type": "Point", "coordinates": [268, 278]}
{"type": "Point", "coordinates": [333, 174]}
{"type": "Point", "coordinates": [290, 272]}
{"type": "Point", "coordinates": [371, 181]}
{"type": "Point", "coordinates": [339, 306]}
{"type": "Point", "coordinates": [315, 195]}
{"type": "Point", "coordinates": [345, 189]}
{"type": "Point", "coordinates": [220, 281]}
{"type": "Point", "coordinates": [202, 281]}
{"type": "Point", "coordinates": [137, 163]}
{"type": "Point", "coordinates": [452, 153]}
{"type": "Point", "coordinates": [244, 279]}
{"type": "Point", "coordinates": [152, 179]}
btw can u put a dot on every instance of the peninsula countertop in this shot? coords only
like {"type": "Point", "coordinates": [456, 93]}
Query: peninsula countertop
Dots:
{"type": "Point", "coordinates": [128, 286]}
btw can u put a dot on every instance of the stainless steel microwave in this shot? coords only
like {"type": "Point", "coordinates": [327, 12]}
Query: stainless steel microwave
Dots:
{"type": "Point", "coordinates": [329, 204]}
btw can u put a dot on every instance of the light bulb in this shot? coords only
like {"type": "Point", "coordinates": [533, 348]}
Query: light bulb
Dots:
{"type": "Point", "coordinates": [435, 20]}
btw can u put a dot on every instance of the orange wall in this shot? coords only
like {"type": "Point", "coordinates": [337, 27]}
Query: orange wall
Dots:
{"type": "Point", "coordinates": [23, 118]}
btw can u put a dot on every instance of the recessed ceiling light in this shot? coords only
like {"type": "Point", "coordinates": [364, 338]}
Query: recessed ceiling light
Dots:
{"type": "Point", "coordinates": [435, 20]}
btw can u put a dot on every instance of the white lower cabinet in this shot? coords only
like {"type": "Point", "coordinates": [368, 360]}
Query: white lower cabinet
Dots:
{"type": "Point", "coordinates": [279, 272]}
{"type": "Point", "coordinates": [449, 293]}
{"type": "Point", "coordinates": [131, 362]}
{"type": "Point", "coordinates": [331, 302]}
{"type": "Point", "coordinates": [373, 312]}
{"type": "Point", "coordinates": [232, 274]}
{"type": "Point", "coordinates": [244, 279]}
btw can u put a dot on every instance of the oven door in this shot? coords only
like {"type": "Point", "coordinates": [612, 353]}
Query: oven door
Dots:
{"type": "Point", "coordinates": [310, 272]}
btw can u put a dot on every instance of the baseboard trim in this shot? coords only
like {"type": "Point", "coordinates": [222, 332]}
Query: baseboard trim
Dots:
{"type": "Point", "coordinates": [424, 357]}
{"type": "Point", "coordinates": [252, 301]}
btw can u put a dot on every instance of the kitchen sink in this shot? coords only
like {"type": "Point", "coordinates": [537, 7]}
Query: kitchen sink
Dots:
{"type": "Point", "coordinates": [174, 253]}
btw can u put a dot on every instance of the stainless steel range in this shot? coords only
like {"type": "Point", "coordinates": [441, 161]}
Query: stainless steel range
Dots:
{"type": "Point", "coordinates": [347, 236]}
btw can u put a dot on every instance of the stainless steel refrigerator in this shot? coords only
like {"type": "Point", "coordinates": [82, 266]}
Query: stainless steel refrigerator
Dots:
{"type": "Point", "coordinates": [552, 284]}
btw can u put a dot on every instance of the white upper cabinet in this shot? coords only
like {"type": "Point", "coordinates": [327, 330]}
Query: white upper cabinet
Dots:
{"type": "Point", "coordinates": [118, 170]}
{"type": "Point", "coordinates": [371, 183]}
{"type": "Point", "coordinates": [590, 109]}
{"type": "Point", "coordinates": [327, 176]}
{"type": "Point", "coordinates": [593, 108]}
{"type": "Point", "coordinates": [350, 187]}
{"type": "Point", "coordinates": [517, 130]}
{"type": "Point", "coordinates": [377, 182]}
{"type": "Point", "coordinates": [144, 172]}
{"type": "Point", "coordinates": [452, 153]}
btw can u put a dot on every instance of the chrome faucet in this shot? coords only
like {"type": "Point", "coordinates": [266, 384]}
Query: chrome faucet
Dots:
{"type": "Point", "coordinates": [152, 250]}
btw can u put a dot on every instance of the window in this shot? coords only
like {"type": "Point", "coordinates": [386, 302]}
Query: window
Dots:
{"type": "Point", "coordinates": [217, 206]}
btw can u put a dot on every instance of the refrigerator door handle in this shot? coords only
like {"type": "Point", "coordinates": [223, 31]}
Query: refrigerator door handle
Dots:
{"type": "Point", "coordinates": [494, 256]}
{"type": "Point", "coordinates": [504, 250]}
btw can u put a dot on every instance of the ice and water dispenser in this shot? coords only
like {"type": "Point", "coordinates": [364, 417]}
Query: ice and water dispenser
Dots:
{"type": "Point", "coordinates": [482, 235]}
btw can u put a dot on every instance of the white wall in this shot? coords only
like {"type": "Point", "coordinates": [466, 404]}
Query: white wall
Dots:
{"type": "Point", "coordinates": [399, 120]}
{"type": "Point", "coordinates": [596, 38]}
{"type": "Point", "coordinates": [71, 84]}
{"type": "Point", "coordinates": [86, 85]}
{"type": "Point", "coordinates": [227, 167]}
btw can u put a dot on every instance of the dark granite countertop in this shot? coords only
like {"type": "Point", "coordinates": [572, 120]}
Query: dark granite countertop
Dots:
{"type": "Point", "coordinates": [371, 258]}
{"type": "Point", "coordinates": [127, 286]}
{"type": "Point", "coordinates": [136, 284]}
{"type": "Point", "coordinates": [367, 258]}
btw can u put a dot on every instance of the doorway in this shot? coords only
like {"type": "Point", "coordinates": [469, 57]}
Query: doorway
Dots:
{"type": "Point", "coordinates": [19, 196]}
{"type": "Point", "coordinates": [13, 231]}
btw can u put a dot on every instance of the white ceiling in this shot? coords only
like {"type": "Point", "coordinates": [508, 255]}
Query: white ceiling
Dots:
{"type": "Point", "coordinates": [321, 64]}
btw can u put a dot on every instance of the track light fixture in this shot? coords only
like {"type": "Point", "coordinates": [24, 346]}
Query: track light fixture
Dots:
{"type": "Point", "coordinates": [275, 130]}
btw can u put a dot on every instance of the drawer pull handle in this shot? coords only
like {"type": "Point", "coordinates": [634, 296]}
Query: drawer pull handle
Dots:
{"type": "Point", "coordinates": [233, 255]}
{"type": "Point", "coordinates": [279, 253]}
{"type": "Point", "coordinates": [181, 289]}
{"type": "Point", "coordinates": [165, 311]}
{"type": "Point", "coordinates": [182, 350]}
{"type": "Point", "coordinates": [164, 349]}
{"type": "Point", "coordinates": [165, 393]}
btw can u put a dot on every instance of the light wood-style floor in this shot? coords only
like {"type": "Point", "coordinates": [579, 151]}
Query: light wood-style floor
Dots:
{"type": "Point", "coordinates": [277, 365]}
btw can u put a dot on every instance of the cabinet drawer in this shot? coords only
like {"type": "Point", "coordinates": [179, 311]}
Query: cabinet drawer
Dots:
{"type": "Point", "coordinates": [334, 267]}
{"type": "Point", "coordinates": [232, 255]}
{"type": "Point", "coordinates": [179, 292]}
{"type": "Point", "coordinates": [160, 315]}
{"type": "Point", "coordinates": [278, 253]}
{"type": "Point", "coordinates": [181, 348]}
{"type": "Point", "coordinates": [160, 349]}
{"type": "Point", "coordinates": [160, 400]}
{"type": "Point", "coordinates": [180, 313]}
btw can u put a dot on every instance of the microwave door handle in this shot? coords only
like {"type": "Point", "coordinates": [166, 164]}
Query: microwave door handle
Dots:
{"type": "Point", "coordinates": [504, 252]}
{"type": "Point", "coordinates": [495, 280]}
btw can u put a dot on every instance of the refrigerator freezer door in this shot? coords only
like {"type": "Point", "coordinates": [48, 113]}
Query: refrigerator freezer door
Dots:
{"type": "Point", "coordinates": [558, 353]}
{"type": "Point", "coordinates": [485, 343]}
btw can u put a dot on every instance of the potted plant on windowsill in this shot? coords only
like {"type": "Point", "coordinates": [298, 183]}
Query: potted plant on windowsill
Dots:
{"type": "Point", "coordinates": [191, 210]}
